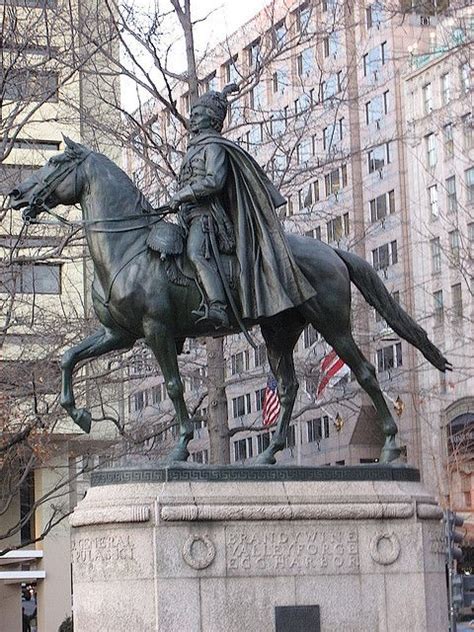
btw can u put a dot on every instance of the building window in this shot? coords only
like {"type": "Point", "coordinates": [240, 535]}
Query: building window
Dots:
{"type": "Point", "coordinates": [385, 256]}
{"type": "Point", "coordinates": [304, 63]}
{"type": "Point", "coordinates": [239, 362]}
{"type": "Point", "coordinates": [467, 131]}
{"type": "Point", "coordinates": [433, 200]}
{"type": "Point", "coordinates": [263, 441]}
{"type": "Point", "coordinates": [374, 60]}
{"type": "Point", "coordinates": [389, 357]}
{"type": "Point", "coordinates": [465, 76]}
{"type": "Point", "coordinates": [427, 92]}
{"type": "Point", "coordinates": [329, 5]}
{"type": "Point", "coordinates": [253, 54]}
{"type": "Point", "coordinates": [304, 150]}
{"type": "Point", "coordinates": [456, 297]}
{"type": "Point", "coordinates": [331, 86]}
{"type": "Point", "coordinates": [333, 134]}
{"type": "Point", "coordinates": [140, 400]}
{"type": "Point", "coordinates": [438, 307]}
{"type": "Point", "coordinates": [378, 157]}
{"type": "Point", "coordinates": [26, 84]}
{"type": "Point", "coordinates": [445, 88]}
{"type": "Point", "coordinates": [376, 108]}
{"type": "Point", "coordinates": [243, 449]}
{"type": "Point", "coordinates": [303, 103]}
{"type": "Point", "coordinates": [335, 229]}
{"type": "Point", "coordinates": [259, 397]}
{"type": "Point", "coordinates": [451, 196]}
{"type": "Point", "coordinates": [241, 405]}
{"type": "Point", "coordinates": [312, 430]}
{"type": "Point", "coordinates": [200, 457]}
{"type": "Point", "coordinates": [374, 15]}
{"type": "Point", "coordinates": [231, 73]}
{"type": "Point", "coordinates": [435, 246]}
{"type": "Point", "coordinates": [469, 179]}
{"type": "Point", "coordinates": [303, 16]}
{"type": "Point", "coordinates": [157, 394]}
{"type": "Point", "coordinates": [331, 44]}
{"type": "Point", "coordinates": [454, 246]}
{"type": "Point", "coordinates": [291, 437]}
{"type": "Point", "coordinates": [430, 143]}
{"type": "Point", "coordinates": [382, 205]}
{"type": "Point", "coordinates": [448, 140]}
{"type": "Point", "coordinates": [279, 34]}
{"type": "Point", "coordinates": [257, 96]}
{"type": "Point", "coordinates": [36, 143]}
{"type": "Point", "coordinates": [310, 336]}
{"type": "Point", "coordinates": [36, 278]}
{"type": "Point", "coordinates": [332, 182]}
{"type": "Point", "coordinates": [260, 355]}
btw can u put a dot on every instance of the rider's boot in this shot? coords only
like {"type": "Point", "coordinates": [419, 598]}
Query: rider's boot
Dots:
{"type": "Point", "coordinates": [217, 314]}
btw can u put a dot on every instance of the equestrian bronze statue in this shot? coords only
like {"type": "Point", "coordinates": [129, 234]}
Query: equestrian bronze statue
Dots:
{"type": "Point", "coordinates": [226, 265]}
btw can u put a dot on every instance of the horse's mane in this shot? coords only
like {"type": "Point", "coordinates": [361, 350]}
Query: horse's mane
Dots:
{"type": "Point", "coordinates": [76, 151]}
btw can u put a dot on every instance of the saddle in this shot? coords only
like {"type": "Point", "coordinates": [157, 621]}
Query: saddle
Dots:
{"type": "Point", "coordinates": [168, 240]}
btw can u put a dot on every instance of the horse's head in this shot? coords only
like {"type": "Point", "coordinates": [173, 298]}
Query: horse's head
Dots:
{"type": "Point", "coordinates": [57, 182]}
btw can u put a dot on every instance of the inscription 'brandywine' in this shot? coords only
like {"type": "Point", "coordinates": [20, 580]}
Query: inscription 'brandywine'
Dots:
{"type": "Point", "coordinates": [323, 550]}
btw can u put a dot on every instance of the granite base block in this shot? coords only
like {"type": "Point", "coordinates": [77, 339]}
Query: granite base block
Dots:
{"type": "Point", "coordinates": [199, 554]}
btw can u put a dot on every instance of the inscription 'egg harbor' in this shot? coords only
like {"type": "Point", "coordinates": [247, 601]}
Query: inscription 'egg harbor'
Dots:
{"type": "Point", "coordinates": [329, 550]}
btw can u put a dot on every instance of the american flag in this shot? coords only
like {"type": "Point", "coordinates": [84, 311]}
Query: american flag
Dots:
{"type": "Point", "coordinates": [271, 402]}
{"type": "Point", "coordinates": [330, 365]}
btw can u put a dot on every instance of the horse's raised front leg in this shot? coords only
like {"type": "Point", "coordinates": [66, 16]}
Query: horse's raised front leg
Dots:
{"type": "Point", "coordinates": [162, 343]}
{"type": "Point", "coordinates": [280, 347]}
{"type": "Point", "coordinates": [101, 341]}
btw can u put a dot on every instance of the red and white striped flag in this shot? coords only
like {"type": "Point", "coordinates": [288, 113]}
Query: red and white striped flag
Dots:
{"type": "Point", "coordinates": [330, 366]}
{"type": "Point", "coordinates": [271, 402]}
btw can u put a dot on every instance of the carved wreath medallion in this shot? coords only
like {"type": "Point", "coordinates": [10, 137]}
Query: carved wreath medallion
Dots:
{"type": "Point", "coordinates": [385, 548]}
{"type": "Point", "coordinates": [199, 551]}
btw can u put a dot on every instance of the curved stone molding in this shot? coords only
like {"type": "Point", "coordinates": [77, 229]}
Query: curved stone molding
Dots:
{"type": "Point", "coordinates": [354, 511]}
{"type": "Point", "coordinates": [203, 560]}
{"type": "Point", "coordinates": [426, 511]}
{"type": "Point", "coordinates": [108, 515]}
{"type": "Point", "coordinates": [385, 548]}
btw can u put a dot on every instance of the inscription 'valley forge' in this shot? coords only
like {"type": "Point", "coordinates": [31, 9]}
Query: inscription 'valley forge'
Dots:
{"type": "Point", "coordinates": [314, 550]}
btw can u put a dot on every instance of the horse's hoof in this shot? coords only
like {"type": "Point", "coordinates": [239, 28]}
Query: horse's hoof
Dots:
{"type": "Point", "coordinates": [265, 459]}
{"type": "Point", "coordinates": [178, 454]}
{"type": "Point", "coordinates": [390, 452]}
{"type": "Point", "coordinates": [83, 419]}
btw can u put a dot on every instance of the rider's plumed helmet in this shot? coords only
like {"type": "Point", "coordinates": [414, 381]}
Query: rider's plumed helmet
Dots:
{"type": "Point", "coordinates": [216, 102]}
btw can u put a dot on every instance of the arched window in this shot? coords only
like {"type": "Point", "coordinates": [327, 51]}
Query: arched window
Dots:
{"type": "Point", "coordinates": [461, 435]}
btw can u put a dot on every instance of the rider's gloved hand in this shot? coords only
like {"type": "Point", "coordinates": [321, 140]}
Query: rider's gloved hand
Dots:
{"type": "Point", "coordinates": [174, 203]}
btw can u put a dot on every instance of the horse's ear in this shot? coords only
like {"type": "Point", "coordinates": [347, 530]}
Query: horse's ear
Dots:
{"type": "Point", "coordinates": [70, 144]}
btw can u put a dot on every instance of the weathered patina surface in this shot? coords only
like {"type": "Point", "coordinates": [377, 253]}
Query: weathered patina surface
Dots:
{"type": "Point", "coordinates": [225, 204]}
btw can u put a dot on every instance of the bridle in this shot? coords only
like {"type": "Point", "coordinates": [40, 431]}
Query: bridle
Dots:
{"type": "Point", "coordinates": [38, 203]}
{"type": "Point", "coordinates": [49, 184]}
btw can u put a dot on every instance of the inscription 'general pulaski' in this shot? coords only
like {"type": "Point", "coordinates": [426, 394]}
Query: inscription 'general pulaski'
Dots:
{"type": "Point", "coordinates": [321, 550]}
{"type": "Point", "coordinates": [103, 549]}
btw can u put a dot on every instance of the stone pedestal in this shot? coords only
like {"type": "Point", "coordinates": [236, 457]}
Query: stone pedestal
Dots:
{"type": "Point", "coordinates": [202, 549]}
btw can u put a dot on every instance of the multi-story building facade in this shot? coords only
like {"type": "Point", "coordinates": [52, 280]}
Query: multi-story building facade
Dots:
{"type": "Point", "coordinates": [47, 79]}
{"type": "Point", "coordinates": [323, 108]}
{"type": "Point", "coordinates": [440, 200]}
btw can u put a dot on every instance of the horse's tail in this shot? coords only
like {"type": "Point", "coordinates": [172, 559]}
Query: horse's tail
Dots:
{"type": "Point", "coordinates": [376, 294]}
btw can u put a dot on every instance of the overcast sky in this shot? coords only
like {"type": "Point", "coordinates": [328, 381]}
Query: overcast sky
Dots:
{"type": "Point", "coordinates": [226, 16]}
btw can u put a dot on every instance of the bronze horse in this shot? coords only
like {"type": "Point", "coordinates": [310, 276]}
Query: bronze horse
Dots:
{"type": "Point", "coordinates": [134, 298]}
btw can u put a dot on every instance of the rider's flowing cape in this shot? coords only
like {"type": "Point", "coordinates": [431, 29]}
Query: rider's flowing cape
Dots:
{"type": "Point", "coordinates": [270, 279]}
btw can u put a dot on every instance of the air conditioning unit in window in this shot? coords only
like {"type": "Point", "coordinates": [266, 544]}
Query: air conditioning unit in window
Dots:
{"type": "Point", "coordinates": [425, 20]}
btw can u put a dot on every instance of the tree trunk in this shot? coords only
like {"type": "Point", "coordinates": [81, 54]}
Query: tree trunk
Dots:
{"type": "Point", "coordinates": [217, 424]}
